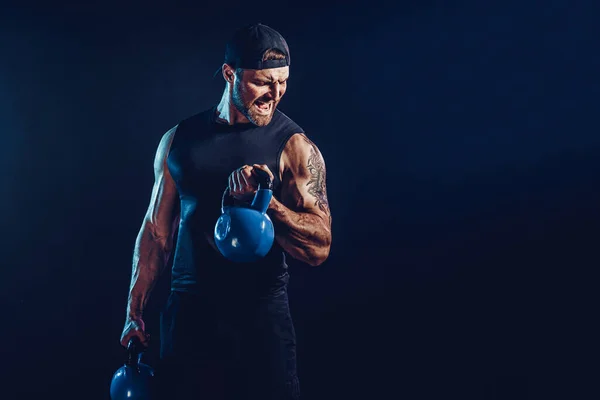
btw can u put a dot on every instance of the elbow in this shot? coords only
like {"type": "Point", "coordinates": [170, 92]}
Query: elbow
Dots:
{"type": "Point", "coordinates": [313, 254]}
{"type": "Point", "coordinates": [319, 257]}
{"type": "Point", "coordinates": [315, 262]}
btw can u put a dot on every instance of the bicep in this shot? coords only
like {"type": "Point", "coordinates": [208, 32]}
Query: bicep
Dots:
{"type": "Point", "coordinates": [305, 178]}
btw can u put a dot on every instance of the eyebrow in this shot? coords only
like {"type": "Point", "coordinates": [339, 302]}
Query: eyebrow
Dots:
{"type": "Point", "coordinates": [270, 78]}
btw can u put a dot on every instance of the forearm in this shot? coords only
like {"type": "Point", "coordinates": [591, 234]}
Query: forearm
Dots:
{"type": "Point", "coordinates": [305, 236]}
{"type": "Point", "coordinates": [149, 260]}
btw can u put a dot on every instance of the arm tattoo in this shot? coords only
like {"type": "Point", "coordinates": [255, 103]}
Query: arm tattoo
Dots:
{"type": "Point", "coordinates": [316, 184]}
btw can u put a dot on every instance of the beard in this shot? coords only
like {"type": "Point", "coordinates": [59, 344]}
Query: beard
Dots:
{"type": "Point", "coordinates": [246, 108]}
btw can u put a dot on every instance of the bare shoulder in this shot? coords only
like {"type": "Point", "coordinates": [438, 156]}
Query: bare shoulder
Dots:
{"type": "Point", "coordinates": [301, 154]}
{"type": "Point", "coordinates": [165, 142]}
{"type": "Point", "coordinates": [164, 146]}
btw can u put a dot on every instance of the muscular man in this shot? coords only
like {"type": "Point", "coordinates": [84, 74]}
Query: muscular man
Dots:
{"type": "Point", "coordinates": [226, 331]}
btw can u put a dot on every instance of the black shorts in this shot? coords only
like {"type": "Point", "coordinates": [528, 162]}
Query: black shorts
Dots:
{"type": "Point", "coordinates": [228, 348]}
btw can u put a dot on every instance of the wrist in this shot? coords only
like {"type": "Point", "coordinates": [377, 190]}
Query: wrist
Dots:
{"type": "Point", "coordinates": [274, 204]}
{"type": "Point", "coordinates": [134, 313]}
{"type": "Point", "coordinates": [134, 317]}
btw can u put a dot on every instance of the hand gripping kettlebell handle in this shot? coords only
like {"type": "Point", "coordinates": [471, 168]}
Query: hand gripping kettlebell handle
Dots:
{"type": "Point", "coordinates": [264, 182]}
{"type": "Point", "coordinates": [263, 179]}
{"type": "Point", "coordinates": [134, 351]}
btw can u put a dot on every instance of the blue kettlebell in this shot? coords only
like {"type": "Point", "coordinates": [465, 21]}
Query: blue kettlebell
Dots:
{"type": "Point", "coordinates": [245, 233]}
{"type": "Point", "coordinates": [134, 380]}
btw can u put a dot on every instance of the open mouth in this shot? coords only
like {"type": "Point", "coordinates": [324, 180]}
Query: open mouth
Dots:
{"type": "Point", "coordinates": [263, 107]}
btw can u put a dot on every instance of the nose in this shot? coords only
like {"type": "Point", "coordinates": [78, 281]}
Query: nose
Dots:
{"type": "Point", "coordinates": [275, 91]}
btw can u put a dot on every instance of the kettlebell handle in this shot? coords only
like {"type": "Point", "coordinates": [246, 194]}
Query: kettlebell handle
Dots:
{"type": "Point", "coordinates": [264, 182]}
{"type": "Point", "coordinates": [134, 351]}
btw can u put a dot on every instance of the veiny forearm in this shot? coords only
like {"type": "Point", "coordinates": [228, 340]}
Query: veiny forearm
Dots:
{"type": "Point", "coordinates": [150, 257]}
{"type": "Point", "coordinates": [305, 236]}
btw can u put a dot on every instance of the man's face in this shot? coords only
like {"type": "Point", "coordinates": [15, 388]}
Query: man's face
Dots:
{"type": "Point", "coordinates": [256, 93]}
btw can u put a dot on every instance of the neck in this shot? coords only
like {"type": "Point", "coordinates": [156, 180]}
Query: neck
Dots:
{"type": "Point", "coordinates": [226, 111]}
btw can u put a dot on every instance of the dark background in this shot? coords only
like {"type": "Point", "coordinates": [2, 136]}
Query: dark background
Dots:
{"type": "Point", "coordinates": [462, 149]}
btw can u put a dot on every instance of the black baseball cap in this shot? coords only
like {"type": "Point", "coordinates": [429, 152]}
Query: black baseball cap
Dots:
{"type": "Point", "coordinates": [248, 45]}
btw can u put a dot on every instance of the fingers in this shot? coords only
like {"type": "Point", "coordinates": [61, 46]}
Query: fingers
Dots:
{"type": "Point", "coordinates": [241, 182]}
{"type": "Point", "coordinates": [234, 183]}
{"type": "Point", "coordinates": [134, 329]}
{"type": "Point", "coordinates": [246, 175]}
{"type": "Point", "coordinates": [265, 168]}
{"type": "Point", "coordinates": [143, 337]}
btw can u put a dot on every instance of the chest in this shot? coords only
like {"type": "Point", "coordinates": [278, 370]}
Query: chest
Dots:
{"type": "Point", "coordinates": [204, 162]}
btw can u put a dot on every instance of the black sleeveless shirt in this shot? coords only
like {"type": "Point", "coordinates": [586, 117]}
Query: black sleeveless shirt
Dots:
{"type": "Point", "coordinates": [203, 154]}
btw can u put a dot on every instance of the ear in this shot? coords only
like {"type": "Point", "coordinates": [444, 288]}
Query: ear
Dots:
{"type": "Point", "coordinates": [228, 73]}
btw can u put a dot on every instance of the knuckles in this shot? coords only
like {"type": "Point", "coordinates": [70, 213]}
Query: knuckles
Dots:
{"type": "Point", "coordinates": [242, 181]}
